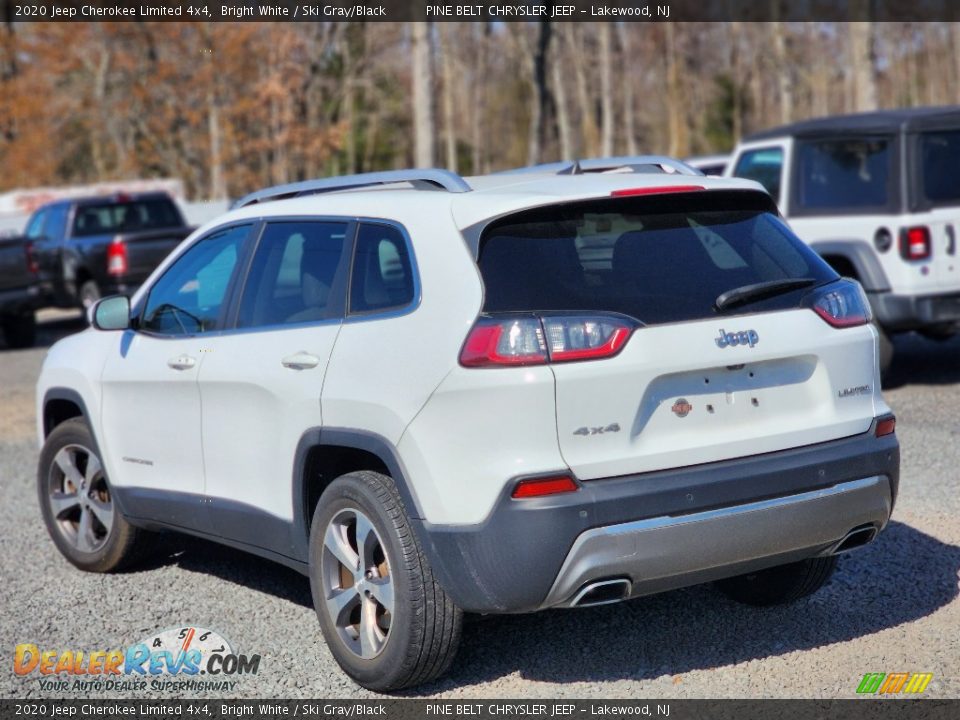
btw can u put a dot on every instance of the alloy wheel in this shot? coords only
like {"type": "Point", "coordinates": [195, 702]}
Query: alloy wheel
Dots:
{"type": "Point", "coordinates": [357, 584]}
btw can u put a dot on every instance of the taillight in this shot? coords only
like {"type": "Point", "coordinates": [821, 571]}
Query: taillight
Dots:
{"type": "Point", "coordinates": [517, 341]}
{"type": "Point", "coordinates": [538, 487]}
{"type": "Point", "coordinates": [497, 341]}
{"type": "Point", "coordinates": [584, 338]}
{"type": "Point", "coordinates": [841, 304]}
{"type": "Point", "coordinates": [32, 267]}
{"type": "Point", "coordinates": [915, 243]}
{"type": "Point", "coordinates": [117, 258]}
{"type": "Point", "coordinates": [886, 426]}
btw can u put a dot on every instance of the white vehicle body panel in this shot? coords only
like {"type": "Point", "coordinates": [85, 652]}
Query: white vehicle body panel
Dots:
{"type": "Point", "coordinates": [151, 412]}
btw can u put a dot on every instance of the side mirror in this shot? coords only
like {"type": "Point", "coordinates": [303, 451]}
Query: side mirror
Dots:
{"type": "Point", "coordinates": [112, 313]}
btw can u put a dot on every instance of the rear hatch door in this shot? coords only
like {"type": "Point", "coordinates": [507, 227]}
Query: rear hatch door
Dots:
{"type": "Point", "coordinates": [695, 382]}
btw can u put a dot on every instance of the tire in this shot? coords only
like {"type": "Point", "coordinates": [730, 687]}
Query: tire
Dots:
{"type": "Point", "coordinates": [385, 619]}
{"type": "Point", "coordinates": [88, 293]}
{"type": "Point", "coordinates": [20, 331]}
{"type": "Point", "coordinates": [782, 584]}
{"type": "Point", "coordinates": [885, 351]}
{"type": "Point", "coordinates": [86, 526]}
{"type": "Point", "coordinates": [939, 333]}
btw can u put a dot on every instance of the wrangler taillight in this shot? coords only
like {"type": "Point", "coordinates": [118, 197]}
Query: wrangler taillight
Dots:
{"type": "Point", "coordinates": [117, 258]}
{"type": "Point", "coordinates": [32, 267]}
{"type": "Point", "coordinates": [841, 304]}
{"type": "Point", "coordinates": [915, 243]}
{"type": "Point", "coordinates": [511, 340]}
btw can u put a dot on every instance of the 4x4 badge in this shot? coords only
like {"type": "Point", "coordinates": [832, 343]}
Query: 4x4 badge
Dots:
{"type": "Point", "coordinates": [612, 428]}
{"type": "Point", "coordinates": [681, 408]}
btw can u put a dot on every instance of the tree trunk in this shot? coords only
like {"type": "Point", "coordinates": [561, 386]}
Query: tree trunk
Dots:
{"type": "Point", "coordinates": [606, 92]}
{"type": "Point", "coordinates": [783, 67]}
{"type": "Point", "coordinates": [424, 127]}
{"type": "Point", "coordinates": [862, 59]}
{"type": "Point", "coordinates": [567, 149]}
{"type": "Point", "coordinates": [449, 126]}
{"type": "Point", "coordinates": [629, 112]}
{"type": "Point", "coordinates": [676, 120]}
{"type": "Point", "coordinates": [588, 129]}
{"type": "Point", "coordinates": [540, 109]}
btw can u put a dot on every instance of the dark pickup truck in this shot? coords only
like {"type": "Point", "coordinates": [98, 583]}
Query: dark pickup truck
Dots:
{"type": "Point", "coordinates": [89, 247]}
{"type": "Point", "coordinates": [19, 292]}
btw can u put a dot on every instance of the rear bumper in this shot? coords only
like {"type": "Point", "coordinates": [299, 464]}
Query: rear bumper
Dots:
{"type": "Point", "coordinates": [667, 552]}
{"type": "Point", "coordinates": [907, 312]}
{"type": "Point", "coordinates": [667, 529]}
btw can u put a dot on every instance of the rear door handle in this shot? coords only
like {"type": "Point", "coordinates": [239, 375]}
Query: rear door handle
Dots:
{"type": "Point", "coordinates": [300, 361]}
{"type": "Point", "coordinates": [181, 362]}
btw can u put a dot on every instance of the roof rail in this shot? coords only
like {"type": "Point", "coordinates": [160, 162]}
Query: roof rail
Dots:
{"type": "Point", "coordinates": [442, 179]}
{"type": "Point", "coordinates": [636, 163]}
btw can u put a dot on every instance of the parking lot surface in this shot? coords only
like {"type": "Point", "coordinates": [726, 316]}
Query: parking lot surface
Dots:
{"type": "Point", "coordinates": [890, 607]}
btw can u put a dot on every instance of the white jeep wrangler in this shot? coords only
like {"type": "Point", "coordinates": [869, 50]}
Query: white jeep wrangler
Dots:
{"type": "Point", "coordinates": [877, 196]}
{"type": "Point", "coordinates": [503, 394]}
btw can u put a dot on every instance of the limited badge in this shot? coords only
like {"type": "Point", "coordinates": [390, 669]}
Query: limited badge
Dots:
{"type": "Point", "coordinates": [681, 408]}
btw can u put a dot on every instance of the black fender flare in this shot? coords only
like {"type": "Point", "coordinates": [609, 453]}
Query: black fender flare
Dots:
{"type": "Point", "coordinates": [62, 393]}
{"type": "Point", "coordinates": [862, 256]}
{"type": "Point", "coordinates": [360, 440]}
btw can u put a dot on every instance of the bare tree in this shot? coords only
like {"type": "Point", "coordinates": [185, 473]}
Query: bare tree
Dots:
{"type": "Point", "coordinates": [606, 91]}
{"type": "Point", "coordinates": [449, 78]}
{"type": "Point", "coordinates": [862, 58]}
{"type": "Point", "coordinates": [677, 121]}
{"type": "Point", "coordinates": [784, 68]}
{"type": "Point", "coordinates": [540, 107]}
{"type": "Point", "coordinates": [626, 76]}
{"type": "Point", "coordinates": [424, 125]}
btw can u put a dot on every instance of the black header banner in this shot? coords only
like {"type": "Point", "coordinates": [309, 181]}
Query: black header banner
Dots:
{"type": "Point", "coordinates": [540, 709]}
{"type": "Point", "coordinates": [479, 10]}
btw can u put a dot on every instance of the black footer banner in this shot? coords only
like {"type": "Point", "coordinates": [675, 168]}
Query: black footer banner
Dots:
{"type": "Point", "coordinates": [409, 709]}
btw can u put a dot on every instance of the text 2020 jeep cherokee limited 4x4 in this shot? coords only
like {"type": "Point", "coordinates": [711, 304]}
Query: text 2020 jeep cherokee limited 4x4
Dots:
{"type": "Point", "coordinates": [436, 395]}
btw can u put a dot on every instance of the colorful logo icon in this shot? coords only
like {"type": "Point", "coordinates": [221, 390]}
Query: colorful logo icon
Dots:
{"type": "Point", "coordinates": [893, 683]}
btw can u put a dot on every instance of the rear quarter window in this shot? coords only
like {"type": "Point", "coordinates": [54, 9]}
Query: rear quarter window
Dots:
{"type": "Point", "coordinates": [657, 260]}
{"type": "Point", "coordinates": [937, 158]}
{"type": "Point", "coordinates": [845, 176]}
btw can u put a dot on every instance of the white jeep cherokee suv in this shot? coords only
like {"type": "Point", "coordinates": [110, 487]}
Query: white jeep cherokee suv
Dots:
{"type": "Point", "coordinates": [433, 395]}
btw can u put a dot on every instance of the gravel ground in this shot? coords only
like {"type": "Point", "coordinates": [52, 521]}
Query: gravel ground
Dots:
{"type": "Point", "coordinates": [891, 607]}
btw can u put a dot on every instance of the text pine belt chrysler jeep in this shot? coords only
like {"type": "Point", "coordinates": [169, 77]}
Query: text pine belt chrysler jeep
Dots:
{"type": "Point", "coordinates": [558, 388]}
{"type": "Point", "coordinates": [875, 194]}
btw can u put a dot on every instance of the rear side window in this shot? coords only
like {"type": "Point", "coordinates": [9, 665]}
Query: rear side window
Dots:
{"type": "Point", "coordinates": [292, 273]}
{"type": "Point", "coordinates": [658, 260]}
{"type": "Point", "coordinates": [844, 175]}
{"type": "Point", "coordinates": [765, 165]}
{"type": "Point", "coordinates": [382, 277]}
{"type": "Point", "coordinates": [939, 157]}
{"type": "Point", "coordinates": [118, 217]}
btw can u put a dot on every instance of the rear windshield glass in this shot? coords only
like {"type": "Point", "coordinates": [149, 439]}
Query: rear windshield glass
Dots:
{"type": "Point", "coordinates": [845, 174]}
{"type": "Point", "coordinates": [114, 217]}
{"type": "Point", "coordinates": [939, 158]}
{"type": "Point", "coordinates": [657, 260]}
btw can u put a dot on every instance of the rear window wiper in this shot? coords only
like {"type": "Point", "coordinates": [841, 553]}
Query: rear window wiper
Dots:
{"type": "Point", "coordinates": [758, 291]}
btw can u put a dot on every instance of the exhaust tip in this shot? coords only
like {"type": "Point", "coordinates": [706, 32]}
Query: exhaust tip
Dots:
{"type": "Point", "coordinates": [602, 592]}
{"type": "Point", "coordinates": [858, 537]}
